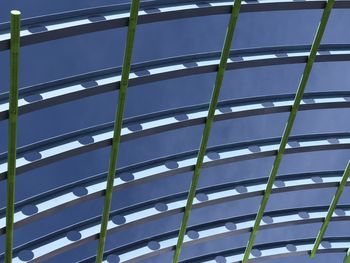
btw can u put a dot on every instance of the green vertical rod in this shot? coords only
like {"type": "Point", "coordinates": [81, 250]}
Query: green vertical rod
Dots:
{"type": "Point", "coordinates": [209, 121]}
{"type": "Point", "coordinates": [347, 257]}
{"type": "Point", "coordinates": [289, 126]}
{"type": "Point", "coordinates": [118, 126]}
{"type": "Point", "coordinates": [12, 131]}
{"type": "Point", "coordinates": [331, 209]}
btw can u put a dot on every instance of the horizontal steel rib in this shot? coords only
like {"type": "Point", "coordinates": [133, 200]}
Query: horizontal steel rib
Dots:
{"type": "Point", "coordinates": [147, 211]}
{"type": "Point", "coordinates": [139, 250]}
{"type": "Point", "coordinates": [73, 23]}
{"type": "Point", "coordinates": [98, 82]}
{"type": "Point", "coordinates": [159, 168]}
{"type": "Point", "coordinates": [67, 145]}
{"type": "Point", "coordinates": [24, 165]}
{"type": "Point", "coordinates": [295, 247]}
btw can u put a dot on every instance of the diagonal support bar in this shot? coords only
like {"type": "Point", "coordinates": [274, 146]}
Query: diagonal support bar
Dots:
{"type": "Point", "coordinates": [289, 126]}
{"type": "Point", "coordinates": [208, 124]}
{"type": "Point", "coordinates": [331, 209]}
{"type": "Point", "coordinates": [118, 126]}
{"type": "Point", "coordinates": [347, 257]}
{"type": "Point", "coordinates": [12, 131]}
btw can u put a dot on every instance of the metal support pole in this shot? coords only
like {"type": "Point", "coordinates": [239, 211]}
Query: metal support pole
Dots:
{"type": "Point", "coordinates": [289, 126]}
{"type": "Point", "coordinates": [118, 126]}
{"type": "Point", "coordinates": [12, 131]}
{"type": "Point", "coordinates": [347, 257]}
{"type": "Point", "coordinates": [209, 121]}
{"type": "Point", "coordinates": [331, 209]}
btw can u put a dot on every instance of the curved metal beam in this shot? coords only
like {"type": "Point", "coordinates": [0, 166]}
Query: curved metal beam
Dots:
{"type": "Point", "coordinates": [296, 247]}
{"type": "Point", "coordinates": [124, 218]}
{"type": "Point", "coordinates": [141, 249]}
{"type": "Point", "coordinates": [64, 146]}
{"type": "Point", "coordinates": [73, 23]}
{"type": "Point", "coordinates": [178, 118]}
{"type": "Point", "coordinates": [93, 187]}
{"type": "Point", "coordinates": [67, 145]}
{"type": "Point", "coordinates": [98, 82]}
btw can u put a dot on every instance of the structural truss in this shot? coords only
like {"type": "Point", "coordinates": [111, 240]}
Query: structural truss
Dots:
{"type": "Point", "coordinates": [18, 160]}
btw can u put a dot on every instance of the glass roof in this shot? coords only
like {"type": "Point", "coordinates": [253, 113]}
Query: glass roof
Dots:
{"type": "Point", "coordinates": [194, 100]}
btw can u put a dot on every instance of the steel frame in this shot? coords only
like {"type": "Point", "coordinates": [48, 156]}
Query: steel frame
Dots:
{"type": "Point", "coordinates": [154, 169]}
{"type": "Point", "coordinates": [247, 106]}
{"type": "Point", "coordinates": [61, 25]}
{"type": "Point", "coordinates": [25, 165]}
{"type": "Point", "coordinates": [211, 231]}
{"type": "Point", "coordinates": [147, 211]}
{"type": "Point", "coordinates": [56, 26]}
{"type": "Point", "coordinates": [76, 87]}
{"type": "Point", "coordinates": [276, 250]}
